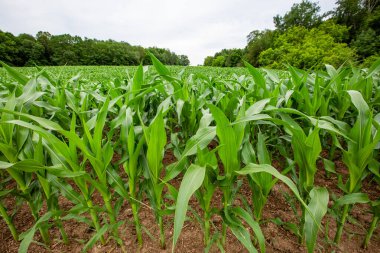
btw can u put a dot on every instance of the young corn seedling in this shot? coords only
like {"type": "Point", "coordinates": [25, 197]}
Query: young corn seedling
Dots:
{"type": "Point", "coordinates": [155, 137]}
{"type": "Point", "coordinates": [202, 179]}
{"type": "Point", "coordinates": [33, 162]}
{"type": "Point", "coordinates": [306, 150]}
{"type": "Point", "coordinates": [260, 183]}
{"type": "Point", "coordinates": [316, 209]}
{"type": "Point", "coordinates": [208, 160]}
{"type": "Point", "coordinates": [100, 154]}
{"type": "Point", "coordinates": [197, 144]}
{"type": "Point", "coordinates": [133, 170]}
{"type": "Point", "coordinates": [14, 146]}
{"type": "Point", "coordinates": [132, 141]}
{"type": "Point", "coordinates": [230, 138]}
{"type": "Point", "coordinates": [361, 139]}
{"type": "Point", "coordinates": [51, 193]}
{"type": "Point", "coordinates": [28, 148]}
{"type": "Point", "coordinates": [66, 156]}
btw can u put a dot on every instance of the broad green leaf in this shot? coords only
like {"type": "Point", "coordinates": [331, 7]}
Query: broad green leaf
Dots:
{"type": "Point", "coordinates": [262, 151]}
{"type": "Point", "coordinates": [6, 131]}
{"type": "Point", "coordinates": [329, 166]}
{"type": "Point", "coordinates": [243, 236]}
{"type": "Point", "coordinates": [352, 198]}
{"type": "Point", "coordinates": [156, 144]}
{"type": "Point", "coordinates": [331, 70]}
{"type": "Point", "coordinates": [256, 168]}
{"type": "Point", "coordinates": [227, 139]}
{"type": "Point", "coordinates": [15, 74]}
{"type": "Point", "coordinates": [191, 181]}
{"type": "Point", "coordinates": [359, 102]}
{"type": "Point", "coordinates": [206, 119]}
{"type": "Point", "coordinates": [200, 140]}
{"type": "Point", "coordinates": [161, 69]}
{"type": "Point", "coordinates": [257, 107]}
{"type": "Point", "coordinates": [254, 225]}
{"type": "Point", "coordinates": [319, 199]}
{"type": "Point", "coordinates": [98, 131]}
{"type": "Point", "coordinates": [138, 79]}
{"type": "Point", "coordinates": [48, 124]}
{"type": "Point", "coordinates": [254, 117]}
{"type": "Point", "coordinates": [27, 165]}
{"type": "Point", "coordinates": [257, 76]}
{"type": "Point", "coordinates": [374, 68]}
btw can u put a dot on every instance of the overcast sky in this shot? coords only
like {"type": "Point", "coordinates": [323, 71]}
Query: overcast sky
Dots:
{"type": "Point", "coordinates": [196, 28]}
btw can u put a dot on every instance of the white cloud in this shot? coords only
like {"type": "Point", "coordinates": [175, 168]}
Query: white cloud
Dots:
{"type": "Point", "coordinates": [196, 28]}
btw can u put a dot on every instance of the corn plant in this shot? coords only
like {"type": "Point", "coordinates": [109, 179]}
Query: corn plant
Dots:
{"type": "Point", "coordinates": [260, 183]}
{"type": "Point", "coordinates": [17, 147]}
{"type": "Point", "coordinates": [313, 212]}
{"type": "Point", "coordinates": [60, 135]}
{"type": "Point", "coordinates": [155, 136]}
{"type": "Point", "coordinates": [361, 139]}
{"type": "Point", "coordinates": [66, 156]}
{"type": "Point", "coordinates": [133, 170]}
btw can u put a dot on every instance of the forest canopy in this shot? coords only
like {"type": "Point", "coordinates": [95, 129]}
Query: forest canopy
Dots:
{"type": "Point", "coordinates": [306, 38]}
{"type": "Point", "coordinates": [46, 49]}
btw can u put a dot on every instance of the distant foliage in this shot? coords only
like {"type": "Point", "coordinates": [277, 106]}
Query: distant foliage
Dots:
{"type": "Point", "coordinates": [306, 49]}
{"type": "Point", "coordinates": [306, 38]}
{"type": "Point", "coordinates": [225, 58]}
{"type": "Point", "coordinates": [304, 14]}
{"type": "Point", "coordinates": [46, 49]}
{"type": "Point", "coordinates": [258, 41]}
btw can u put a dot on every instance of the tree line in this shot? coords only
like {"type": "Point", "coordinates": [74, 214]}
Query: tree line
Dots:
{"type": "Point", "coordinates": [46, 49]}
{"type": "Point", "coordinates": [306, 38]}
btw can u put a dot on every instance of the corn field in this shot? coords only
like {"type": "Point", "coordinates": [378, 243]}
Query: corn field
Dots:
{"type": "Point", "coordinates": [73, 139]}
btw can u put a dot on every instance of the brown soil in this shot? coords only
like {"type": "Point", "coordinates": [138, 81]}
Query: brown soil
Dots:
{"type": "Point", "coordinates": [278, 239]}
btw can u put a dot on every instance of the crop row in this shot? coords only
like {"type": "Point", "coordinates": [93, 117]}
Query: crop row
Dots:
{"type": "Point", "coordinates": [59, 138]}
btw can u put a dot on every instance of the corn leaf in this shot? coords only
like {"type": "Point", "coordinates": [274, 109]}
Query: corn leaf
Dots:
{"type": "Point", "coordinates": [243, 236]}
{"type": "Point", "coordinates": [256, 168]}
{"type": "Point", "coordinates": [15, 74]}
{"type": "Point", "coordinates": [353, 198]}
{"type": "Point", "coordinates": [227, 139]}
{"type": "Point", "coordinates": [156, 144]}
{"type": "Point", "coordinates": [319, 198]}
{"type": "Point", "coordinates": [27, 237]}
{"type": "Point", "coordinates": [191, 181]}
{"type": "Point", "coordinates": [253, 224]}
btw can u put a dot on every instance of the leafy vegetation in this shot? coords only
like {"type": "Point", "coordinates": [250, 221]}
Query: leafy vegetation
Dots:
{"type": "Point", "coordinates": [71, 138]}
{"type": "Point", "coordinates": [305, 38]}
{"type": "Point", "coordinates": [52, 50]}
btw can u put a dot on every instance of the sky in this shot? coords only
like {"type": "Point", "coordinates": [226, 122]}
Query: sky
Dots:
{"type": "Point", "coordinates": [196, 28]}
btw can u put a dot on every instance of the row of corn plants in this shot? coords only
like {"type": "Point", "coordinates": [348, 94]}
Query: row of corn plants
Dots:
{"type": "Point", "coordinates": [78, 139]}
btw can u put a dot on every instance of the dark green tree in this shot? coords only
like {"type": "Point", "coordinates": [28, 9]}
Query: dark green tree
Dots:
{"type": "Point", "coordinates": [350, 13]}
{"type": "Point", "coordinates": [367, 41]}
{"type": "Point", "coordinates": [208, 61]}
{"type": "Point", "coordinates": [258, 41]}
{"type": "Point", "coordinates": [305, 49]}
{"type": "Point", "coordinates": [183, 60]}
{"type": "Point", "coordinates": [225, 58]}
{"type": "Point", "coordinates": [219, 61]}
{"type": "Point", "coordinates": [9, 51]}
{"type": "Point", "coordinates": [30, 50]}
{"type": "Point", "coordinates": [304, 14]}
{"type": "Point", "coordinates": [65, 49]}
